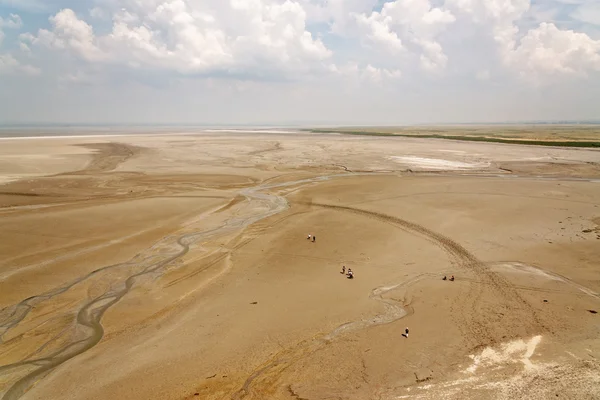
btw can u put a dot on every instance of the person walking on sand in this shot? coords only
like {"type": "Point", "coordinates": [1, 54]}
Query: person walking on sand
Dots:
{"type": "Point", "coordinates": [314, 238]}
{"type": "Point", "coordinates": [452, 278]}
{"type": "Point", "coordinates": [405, 334]}
{"type": "Point", "coordinates": [343, 270]}
{"type": "Point", "coordinates": [309, 236]}
{"type": "Point", "coordinates": [350, 274]}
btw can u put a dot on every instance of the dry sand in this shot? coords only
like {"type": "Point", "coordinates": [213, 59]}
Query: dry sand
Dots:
{"type": "Point", "coordinates": [177, 267]}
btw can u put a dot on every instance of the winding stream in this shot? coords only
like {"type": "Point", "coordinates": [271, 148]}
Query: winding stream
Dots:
{"type": "Point", "coordinates": [86, 331]}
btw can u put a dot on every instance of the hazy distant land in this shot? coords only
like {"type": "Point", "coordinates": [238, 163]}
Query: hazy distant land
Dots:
{"type": "Point", "coordinates": [541, 135]}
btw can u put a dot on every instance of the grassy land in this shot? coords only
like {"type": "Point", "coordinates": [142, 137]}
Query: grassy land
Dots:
{"type": "Point", "coordinates": [551, 135]}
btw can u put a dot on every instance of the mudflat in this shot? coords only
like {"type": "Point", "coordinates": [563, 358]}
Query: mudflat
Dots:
{"type": "Point", "coordinates": [177, 266]}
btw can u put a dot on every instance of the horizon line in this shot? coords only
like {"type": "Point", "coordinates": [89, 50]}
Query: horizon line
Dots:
{"type": "Point", "coordinates": [288, 124]}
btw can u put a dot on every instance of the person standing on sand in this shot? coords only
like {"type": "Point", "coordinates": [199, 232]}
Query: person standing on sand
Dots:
{"type": "Point", "coordinates": [350, 274]}
{"type": "Point", "coordinates": [314, 238]}
{"type": "Point", "coordinates": [405, 334]}
{"type": "Point", "coordinates": [343, 270]}
{"type": "Point", "coordinates": [309, 236]}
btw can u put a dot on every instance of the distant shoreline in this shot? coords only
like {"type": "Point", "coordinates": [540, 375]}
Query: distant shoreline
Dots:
{"type": "Point", "coordinates": [562, 140]}
{"type": "Point", "coordinates": [74, 133]}
{"type": "Point", "coordinates": [555, 135]}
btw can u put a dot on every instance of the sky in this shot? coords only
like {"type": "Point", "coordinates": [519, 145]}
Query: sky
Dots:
{"type": "Point", "coordinates": [301, 62]}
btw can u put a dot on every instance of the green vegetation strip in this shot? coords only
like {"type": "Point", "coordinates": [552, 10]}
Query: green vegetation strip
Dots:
{"type": "Point", "coordinates": [472, 139]}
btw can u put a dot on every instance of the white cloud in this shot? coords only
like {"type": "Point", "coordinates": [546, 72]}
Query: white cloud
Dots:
{"type": "Point", "coordinates": [13, 21]}
{"type": "Point", "coordinates": [377, 75]}
{"type": "Point", "coordinates": [9, 65]}
{"type": "Point", "coordinates": [414, 21]}
{"type": "Point", "coordinates": [548, 50]}
{"type": "Point", "coordinates": [433, 58]}
{"type": "Point", "coordinates": [24, 48]}
{"type": "Point", "coordinates": [377, 29]}
{"type": "Point", "coordinates": [260, 60]}
{"type": "Point", "coordinates": [543, 51]}
{"type": "Point", "coordinates": [270, 39]}
{"type": "Point", "coordinates": [354, 74]}
{"type": "Point", "coordinates": [495, 11]}
{"type": "Point", "coordinates": [237, 37]}
{"type": "Point", "coordinates": [498, 16]}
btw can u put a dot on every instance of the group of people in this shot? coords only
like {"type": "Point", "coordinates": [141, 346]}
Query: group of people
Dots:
{"type": "Point", "coordinates": [349, 274]}
{"type": "Point", "coordinates": [451, 278]}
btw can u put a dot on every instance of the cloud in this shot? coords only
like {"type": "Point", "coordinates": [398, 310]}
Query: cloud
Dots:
{"type": "Point", "coordinates": [355, 74]}
{"type": "Point", "coordinates": [498, 16]}
{"type": "Point", "coordinates": [542, 52]}
{"type": "Point", "coordinates": [494, 11]}
{"type": "Point", "coordinates": [275, 39]}
{"type": "Point", "coordinates": [251, 60]}
{"type": "Point", "coordinates": [548, 50]}
{"type": "Point", "coordinates": [13, 22]}
{"type": "Point", "coordinates": [414, 21]}
{"type": "Point", "coordinates": [10, 65]}
{"type": "Point", "coordinates": [240, 37]}
{"type": "Point", "coordinates": [377, 75]}
{"type": "Point", "coordinates": [377, 29]}
{"type": "Point", "coordinates": [69, 33]}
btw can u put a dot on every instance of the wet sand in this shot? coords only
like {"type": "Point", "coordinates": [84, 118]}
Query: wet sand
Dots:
{"type": "Point", "coordinates": [177, 267]}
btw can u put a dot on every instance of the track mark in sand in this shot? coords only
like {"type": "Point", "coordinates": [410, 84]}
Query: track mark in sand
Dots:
{"type": "Point", "coordinates": [472, 325]}
{"type": "Point", "coordinates": [476, 329]}
{"type": "Point", "coordinates": [469, 328]}
{"type": "Point", "coordinates": [263, 380]}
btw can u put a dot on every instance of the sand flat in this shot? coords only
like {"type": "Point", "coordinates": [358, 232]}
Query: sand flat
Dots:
{"type": "Point", "coordinates": [177, 267]}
